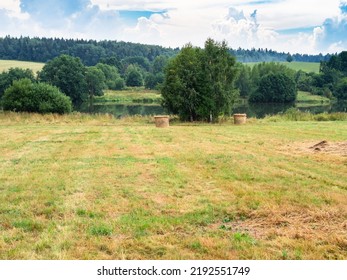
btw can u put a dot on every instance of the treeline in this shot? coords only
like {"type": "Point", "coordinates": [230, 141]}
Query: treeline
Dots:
{"type": "Point", "coordinates": [91, 52]}
{"type": "Point", "coordinates": [275, 83]}
{"type": "Point", "coordinates": [268, 55]}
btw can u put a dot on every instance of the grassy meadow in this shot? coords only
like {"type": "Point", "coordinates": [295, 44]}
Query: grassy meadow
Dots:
{"type": "Point", "coordinates": [307, 97]}
{"type": "Point", "coordinates": [93, 187]}
{"type": "Point", "coordinates": [295, 65]}
{"type": "Point", "coordinates": [7, 64]}
{"type": "Point", "coordinates": [129, 96]}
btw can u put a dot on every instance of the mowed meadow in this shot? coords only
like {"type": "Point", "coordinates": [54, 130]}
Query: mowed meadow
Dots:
{"type": "Point", "coordinates": [94, 187]}
{"type": "Point", "coordinates": [5, 65]}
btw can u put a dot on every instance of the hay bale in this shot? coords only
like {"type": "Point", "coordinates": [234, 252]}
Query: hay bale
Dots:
{"type": "Point", "coordinates": [161, 121]}
{"type": "Point", "coordinates": [240, 118]}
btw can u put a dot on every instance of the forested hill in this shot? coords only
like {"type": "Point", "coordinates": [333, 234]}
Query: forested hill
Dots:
{"type": "Point", "coordinates": [266, 55]}
{"type": "Point", "coordinates": [91, 51]}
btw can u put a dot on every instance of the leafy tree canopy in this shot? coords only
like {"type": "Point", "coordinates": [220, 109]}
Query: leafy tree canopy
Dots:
{"type": "Point", "coordinates": [96, 81]}
{"type": "Point", "coordinates": [27, 96]}
{"type": "Point", "coordinates": [13, 74]}
{"type": "Point", "coordinates": [68, 74]}
{"type": "Point", "coordinates": [199, 83]}
{"type": "Point", "coordinates": [275, 88]}
{"type": "Point", "coordinates": [133, 76]}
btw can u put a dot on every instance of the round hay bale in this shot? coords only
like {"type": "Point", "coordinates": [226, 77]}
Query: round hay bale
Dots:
{"type": "Point", "coordinates": [240, 118]}
{"type": "Point", "coordinates": [161, 121]}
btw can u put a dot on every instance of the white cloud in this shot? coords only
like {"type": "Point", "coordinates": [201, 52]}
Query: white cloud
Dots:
{"type": "Point", "coordinates": [180, 22]}
{"type": "Point", "coordinates": [331, 35]}
{"type": "Point", "coordinates": [243, 31]}
{"type": "Point", "coordinates": [146, 30]}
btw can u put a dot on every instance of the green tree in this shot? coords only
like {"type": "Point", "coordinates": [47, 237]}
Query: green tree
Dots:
{"type": "Point", "coordinates": [289, 58]}
{"type": "Point", "coordinates": [304, 80]}
{"type": "Point", "coordinates": [243, 81]}
{"type": "Point", "coordinates": [133, 76]}
{"type": "Point", "coordinates": [275, 88]}
{"type": "Point", "coordinates": [159, 64]}
{"type": "Point", "coordinates": [182, 84]}
{"type": "Point", "coordinates": [341, 89]}
{"type": "Point", "coordinates": [14, 74]}
{"type": "Point", "coordinates": [136, 60]}
{"type": "Point", "coordinates": [68, 74]}
{"type": "Point", "coordinates": [112, 76]}
{"type": "Point", "coordinates": [26, 96]}
{"type": "Point", "coordinates": [152, 81]}
{"type": "Point", "coordinates": [199, 83]}
{"type": "Point", "coordinates": [219, 74]}
{"type": "Point", "coordinates": [112, 61]}
{"type": "Point", "coordinates": [95, 80]}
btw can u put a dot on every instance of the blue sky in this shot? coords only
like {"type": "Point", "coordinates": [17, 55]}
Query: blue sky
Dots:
{"type": "Point", "coordinates": [309, 26]}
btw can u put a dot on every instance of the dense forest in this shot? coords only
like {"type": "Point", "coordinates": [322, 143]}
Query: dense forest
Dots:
{"type": "Point", "coordinates": [91, 52]}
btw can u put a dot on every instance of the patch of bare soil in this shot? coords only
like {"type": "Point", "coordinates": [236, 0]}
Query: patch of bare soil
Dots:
{"type": "Point", "coordinates": [322, 147]}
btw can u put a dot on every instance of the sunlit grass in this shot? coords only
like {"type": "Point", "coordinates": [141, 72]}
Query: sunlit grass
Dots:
{"type": "Point", "coordinates": [93, 187]}
{"type": "Point", "coordinates": [295, 65]}
{"type": "Point", "coordinates": [7, 64]}
{"type": "Point", "coordinates": [307, 97]}
{"type": "Point", "coordinates": [130, 95]}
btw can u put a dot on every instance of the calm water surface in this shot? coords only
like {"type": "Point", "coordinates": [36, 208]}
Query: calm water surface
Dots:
{"type": "Point", "coordinates": [252, 110]}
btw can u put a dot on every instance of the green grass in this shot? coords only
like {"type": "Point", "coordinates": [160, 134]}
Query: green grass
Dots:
{"type": "Point", "coordinates": [94, 187]}
{"type": "Point", "coordinates": [294, 114]}
{"type": "Point", "coordinates": [304, 66]}
{"type": "Point", "coordinates": [7, 64]}
{"type": "Point", "coordinates": [306, 97]}
{"type": "Point", "coordinates": [128, 96]}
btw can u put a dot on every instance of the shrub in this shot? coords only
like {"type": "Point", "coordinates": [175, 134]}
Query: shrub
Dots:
{"type": "Point", "coordinates": [26, 96]}
{"type": "Point", "coordinates": [14, 74]}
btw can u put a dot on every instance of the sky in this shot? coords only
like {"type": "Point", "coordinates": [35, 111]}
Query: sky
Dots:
{"type": "Point", "coordinates": [295, 26]}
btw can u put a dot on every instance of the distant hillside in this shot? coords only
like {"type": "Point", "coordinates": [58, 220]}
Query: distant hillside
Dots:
{"type": "Point", "coordinates": [307, 67]}
{"type": "Point", "coordinates": [91, 51]}
{"type": "Point", "coordinates": [266, 55]}
{"type": "Point", "coordinates": [7, 64]}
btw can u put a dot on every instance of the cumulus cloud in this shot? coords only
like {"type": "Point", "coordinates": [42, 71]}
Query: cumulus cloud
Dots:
{"type": "Point", "coordinates": [52, 13]}
{"type": "Point", "coordinates": [243, 31]}
{"type": "Point", "coordinates": [173, 23]}
{"type": "Point", "coordinates": [331, 35]}
{"type": "Point", "coordinates": [66, 18]}
{"type": "Point", "coordinates": [147, 30]}
{"type": "Point", "coordinates": [15, 23]}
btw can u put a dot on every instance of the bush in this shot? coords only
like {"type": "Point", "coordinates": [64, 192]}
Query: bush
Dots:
{"type": "Point", "coordinates": [14, 74]}
{"type": "Point", "coordinates": [26, 96]}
